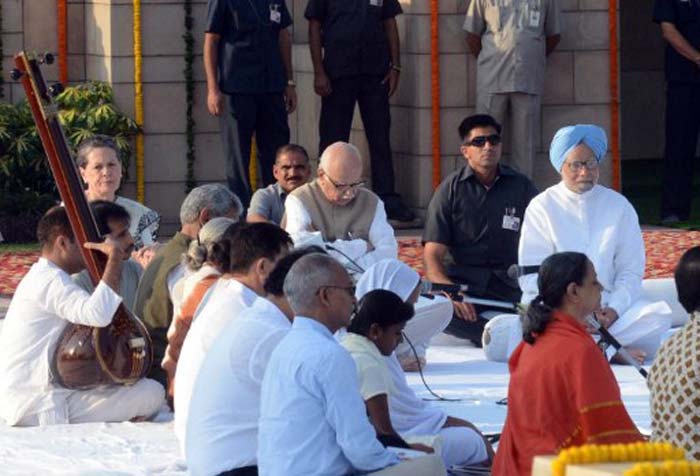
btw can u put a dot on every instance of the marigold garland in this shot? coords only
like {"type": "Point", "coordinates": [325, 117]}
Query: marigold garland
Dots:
{"type": "Point", "coordinates": [667, 468]}
{"type": "Point", "coordinates": [138, 99]}
{"type": "Point", "coordinates": [435, 92]}
{"type": "Point", "coordinates": [614, 96]}
{"type": "Point", "coordinates": [2, 55]}
{"type": "Point", "coordinates": [253, 165]}
{"type": "Point", "coordinates": [189, 92]}
{"type": "Point", "coordinates": [62, 14]}
{"type": "Point", "coordinates": [641, 451]}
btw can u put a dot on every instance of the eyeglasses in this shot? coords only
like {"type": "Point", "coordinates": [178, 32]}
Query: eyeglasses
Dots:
{"type": "Point", "coordinates": [344, 187]}
{"type": "Point", "coordinates": [480, 141]}
{"type": "Point", "coordinates": [348, 289]}
{"type": "Point", "coordinates": [576, 166]}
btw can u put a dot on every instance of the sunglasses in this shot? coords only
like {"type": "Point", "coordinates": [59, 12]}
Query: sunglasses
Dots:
{"type": "Point", "coordinates": [480, 141]}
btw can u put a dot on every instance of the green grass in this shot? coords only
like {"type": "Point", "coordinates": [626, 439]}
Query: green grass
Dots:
{"type": "Point", "coordinates": [642, 183]}
{"type": "Point", "coordinates": [15, 247]}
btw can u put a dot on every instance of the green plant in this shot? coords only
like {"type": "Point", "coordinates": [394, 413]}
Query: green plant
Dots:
{"type": "Point", "coordinates": [26, 184]}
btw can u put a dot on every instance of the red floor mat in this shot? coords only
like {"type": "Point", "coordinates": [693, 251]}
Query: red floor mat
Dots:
{"type": "Point", "coordinates": [663, 249]}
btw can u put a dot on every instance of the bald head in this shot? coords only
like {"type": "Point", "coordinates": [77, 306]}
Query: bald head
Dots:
{"type": "Point", "coordinates": [340, 172]}
{"type": "Point", "coordinates": [341, 158]}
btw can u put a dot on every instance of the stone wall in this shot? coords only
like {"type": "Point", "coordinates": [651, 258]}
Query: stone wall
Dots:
{"type": "Point", "coordinates": [100, 48]}
{"type": "Point", "coordinates": [576, 89]}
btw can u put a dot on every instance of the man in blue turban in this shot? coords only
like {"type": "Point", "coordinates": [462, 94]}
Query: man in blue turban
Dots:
{"type": "Point", "coordinates": [577, 214]}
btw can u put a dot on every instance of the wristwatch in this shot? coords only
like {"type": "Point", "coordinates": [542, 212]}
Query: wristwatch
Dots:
{"type": "Point", "coordinates": [396, 67]}
{"type": "Point", "coordinates": [292, 83]}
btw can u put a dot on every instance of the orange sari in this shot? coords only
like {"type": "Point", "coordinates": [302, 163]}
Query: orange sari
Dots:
{"type": "Point", "coordinates": [562, 393]}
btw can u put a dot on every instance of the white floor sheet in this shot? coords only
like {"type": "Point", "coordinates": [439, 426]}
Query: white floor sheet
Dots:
{"type": "Point", "coordinates": [454, 371]}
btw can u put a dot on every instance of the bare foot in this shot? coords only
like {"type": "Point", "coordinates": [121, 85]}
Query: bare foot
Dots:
{"type": "Point", "coordinates": [637, 354]}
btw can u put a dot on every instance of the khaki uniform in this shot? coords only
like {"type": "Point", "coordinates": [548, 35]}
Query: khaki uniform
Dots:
{"type": "Point", "coordinates": [511, 66]}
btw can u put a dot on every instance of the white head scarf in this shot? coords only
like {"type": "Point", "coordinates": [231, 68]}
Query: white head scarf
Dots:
{"type": "Point", "coordinates": [391, 275]}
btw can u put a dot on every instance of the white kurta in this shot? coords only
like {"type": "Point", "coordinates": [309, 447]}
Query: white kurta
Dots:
{"type": "Point", "coordinates": [381, 237]}
{"type": "Point", "coordinates": [45, 302]}
{"type": "Point", "coordinates": [602, 224]}
{"type": "Point", "coordinates": [222, 427]}
{"type": "Point", "coordinates": [226, 300]}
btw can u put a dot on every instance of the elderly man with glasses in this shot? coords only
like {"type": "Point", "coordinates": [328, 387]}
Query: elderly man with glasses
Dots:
{"type": "Point", "coordinates": [473, 226]}
{"type": "Point", "coordinates": [577, 214]}
{"type": "Point", "coordinates": [337, 213]}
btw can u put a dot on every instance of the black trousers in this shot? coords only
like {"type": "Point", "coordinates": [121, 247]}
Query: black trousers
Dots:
{"type": "Point", "coordinates": [245, 471]}
{"type": "Point", "coordinates": [682, 127]}
{"type": "Point", "coordinates": [265, 116]}
{"type": "Point", "coordinates": [337, 110]}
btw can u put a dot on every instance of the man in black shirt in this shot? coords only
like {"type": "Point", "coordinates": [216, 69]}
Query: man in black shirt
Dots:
{"type": "Point", "coordinates": [680, 27]}
{"type": "Point", "coordinates": [360, 64]}
{"type": "Point", "coordinates": [473, 225]}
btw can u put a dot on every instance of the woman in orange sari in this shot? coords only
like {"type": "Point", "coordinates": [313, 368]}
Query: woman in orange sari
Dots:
{"type": "Point", "coordinates": [562, 391]}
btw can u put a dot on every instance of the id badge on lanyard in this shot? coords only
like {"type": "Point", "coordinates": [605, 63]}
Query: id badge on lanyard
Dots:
{"type": "Point", "coordinates": [275, 14]}
{"type": "Point", "coordinates": [510, 221]}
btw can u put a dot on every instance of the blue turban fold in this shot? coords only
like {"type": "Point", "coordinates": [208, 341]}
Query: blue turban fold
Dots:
{"type": "Point", "coordinates": [569, 137]}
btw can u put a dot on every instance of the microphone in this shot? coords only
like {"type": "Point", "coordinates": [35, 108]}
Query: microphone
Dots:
{"type": "Point", "coordinates": [608, 337]}
{"type": "Point", "coordinates": [426, 287]}
{"type": "Point", "coordinates": [515, 271]}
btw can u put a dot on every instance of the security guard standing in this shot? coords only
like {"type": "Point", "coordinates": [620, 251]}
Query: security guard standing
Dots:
{"type": "Point", "coordinates": [250, 86]}
{"type": "Point", "coordinates": [680, 27]}
{"type": "Point", "coordinates": [360, 64]}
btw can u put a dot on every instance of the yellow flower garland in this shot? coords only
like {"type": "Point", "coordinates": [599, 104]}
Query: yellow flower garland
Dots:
{"type": "Point", "coordinates": [589, 454]}
{"type": "Point", "coordinates": [667, 468]}
{"type": "Point", "coordinates": [138, 100]}
{"type": "Point", "coordinates": [253, 165]}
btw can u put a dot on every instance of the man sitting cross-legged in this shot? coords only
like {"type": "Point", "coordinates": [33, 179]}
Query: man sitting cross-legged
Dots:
{"type": "Point", "coordinates": [154, 298]}
{"type": "Point", "coordinates": [222, 426]}
{"type": "Point", "coordinates": [312, 418]}
{"type": "Point", "coordinates": [579, 215]}
{"type": "Point", "coordinates": [336, 212]}
{"type": "Point", "coordinates": [292, 169]}
{"type": "Point", "coordinates": [113, 220]}
{"type": "Point", "coordinates": [473, 226]}
{"type": "Point", "coordinates": [253, 250]}
{"type": "Point", "coordinates": [45, 302]}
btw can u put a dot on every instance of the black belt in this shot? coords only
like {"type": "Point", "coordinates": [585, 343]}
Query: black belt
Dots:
{"type": "Point", "coordinates": [244, 471]}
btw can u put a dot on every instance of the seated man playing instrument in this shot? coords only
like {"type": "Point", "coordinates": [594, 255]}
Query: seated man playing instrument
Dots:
{"type": "Point", "coordinates": [45, 302]}
{"type": "Point", "coordinates": [562, 391]}
{"type": "Point", "coordinates": [580, 215]}
{"type": "Point", "coordinates": [337, 213]}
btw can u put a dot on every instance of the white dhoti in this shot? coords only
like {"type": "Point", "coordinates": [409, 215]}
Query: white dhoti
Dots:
{"type": "Point", "coordinates": [109, 403]}
{"type": "Point", "coordinates": [431, 317]}
{"type": "Point", "coordinates": [640, 327]}
{"type": "Point", "coordinates": [428, 465]}
{"type": "Point", "coordinates": [414, 418]}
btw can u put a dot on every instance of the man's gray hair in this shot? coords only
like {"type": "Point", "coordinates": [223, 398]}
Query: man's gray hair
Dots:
{"type": "Point", "coordinates": [216, 198]}
{"type": "Point", "coordinates": [331, 150]}
{"type": "Point", "coordinates": [306, 276]}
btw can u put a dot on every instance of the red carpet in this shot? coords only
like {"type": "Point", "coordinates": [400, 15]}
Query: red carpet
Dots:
{"type": "Point", "coordinates": [663, 248]}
